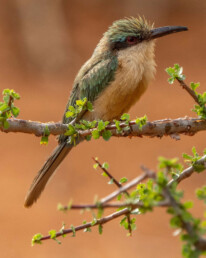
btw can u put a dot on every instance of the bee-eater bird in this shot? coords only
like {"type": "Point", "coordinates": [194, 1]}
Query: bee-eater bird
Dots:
{"type": "Point", "coordinates": [113, 79]}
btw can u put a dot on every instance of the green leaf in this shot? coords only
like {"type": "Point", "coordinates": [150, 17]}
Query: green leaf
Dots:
{"type": "Point", "coordinates": [88, 138]}
{"type": "Point", "coordinates": [36, 239]}
{"type": "Point", "coordinates": [104, 174]}
{"type": "Point", "coordinates": [101, 126]}
{"type": "Point", "coordinates": [46, 131]}
{"type": "Point", "coordinates": [95, 134]}
{"type": "Point", "coordinates": [111, 181]}
{"type": "Point", "coordinates": [62, 230]}
{"type": "Point", "coordinates": [161, 179]}
{"type": "Point", "coordinates": [124, 223]}
{"type": "Point", "coordinates": [141, 121]}
{"type": "Point", "coordinates": [87, 229]}
{"type": "Point", "coordinates": [95, 166]}
{"type": "Point", "coordinates": [60, 207]}
{"type": "Point", "coordinates": [117, 124]}
{"type": "Point", "coordinates": [125, 116]}
{"type": "Point", "coordinates": [123, 180]}
{"type": "Point", "coordinates": [106, 135]}
{"type": "Point", "coordinates": [44, 140]}
{"type": "Point", "coordinates": [69, 205]}
{"type": "Point", "coordinates": [119, 197]}
{"type": "Point", "coordinates": [194, 86]}
{"type": "Point", "coordinates": [6, 99]}
{"type": "Point", "coordinates": [94, 221]}
{"type": "Point", "coordinates": [175, 73]}
{"type": "Point", "coordinates": [175, 222]}
{"type": "Point", "coordinates": [188, 205]}
{"type": "Point", "coordinates": [15, 111]}
{"type": "Point", "coordinates": [100, 228]}
{"type": "Point", "coordinates": [194, 151]}
{"type": "Point", "coordinates": [89, 106]}
{"type": "Point", "coordinates": [80, 102]}
{"type": "Point", "coordinates": [100, 212]}
{"type": "Point", "coordinates": [52, 234]}
{"type": "Point", "coordinates": [73, 230]}
{"type": "Point", "coordinates": [6, 124]}
{"type": "Point", "coordinates": [171, 80]}
{"type": "Point", "coordinates": [69, 114]}
{"type": "Point", "coordinates": [186, 156]}
{"type": "Point", "coordinates": [70, 131]}
{"type": "Point", "coordinates": [105, 165]}
{"type": "Point", "coordinates": [201, 193]}
{"type": "Point", "coordinates": [123, 220]}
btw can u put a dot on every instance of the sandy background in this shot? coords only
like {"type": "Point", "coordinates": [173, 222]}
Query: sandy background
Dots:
{"type": "Point", "coordinates": [42, 46]}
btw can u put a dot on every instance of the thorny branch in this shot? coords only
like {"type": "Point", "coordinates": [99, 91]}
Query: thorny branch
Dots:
{"type": "Point", "coordinates": [107, 173]}
{"type": "Point", "coordinates": [88, 225]}
{"type": "Point", "coordinates": [188, 171]}
{"type": "Point", "coordinates": [200, 243]}
{"type": "Point", "coordinates": [118, 185]}
{"type": "Point", "coordinates": [189, 90]}
{"type": "Point", "coordinates": [128, 207]}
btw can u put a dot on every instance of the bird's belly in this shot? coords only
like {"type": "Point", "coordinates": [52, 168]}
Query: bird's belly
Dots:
{"type": "Point", "coordinates": [136, 67]}
{"type": "Point", "coordinates": [117, 99]}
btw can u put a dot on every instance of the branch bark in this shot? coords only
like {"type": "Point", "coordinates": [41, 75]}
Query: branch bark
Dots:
{"type": "Point", "coordinates": [158, 128]}
{"type": "Point", "coordinates": [128, 208]}
{"type": "Point", "coordinates": [188, 171]}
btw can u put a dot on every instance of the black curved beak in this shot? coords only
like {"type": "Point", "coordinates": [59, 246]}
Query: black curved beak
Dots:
{"type": "Point", "coordinates": [163, 31]}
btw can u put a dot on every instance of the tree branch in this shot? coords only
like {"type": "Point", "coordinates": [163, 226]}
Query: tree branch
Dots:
{"type": "Point", "coordinates": [108, 174]}
{"type": "Point", "coordinates": [127, 186]}
{"type": "Point", "coordinates": [118, 185]}
{"type": "Point", "coordinates": [188, 171]}
{"type": "Point", "coordinates": [189, 91]}
{"type": "Point", "coordinates": [200, 242]}
{"type": "Point", "coordinates": [158, 128]}
{"type": "Point", "coordinates": [90, 224]}
{"type": "Point", "coordinates": [169, 201]}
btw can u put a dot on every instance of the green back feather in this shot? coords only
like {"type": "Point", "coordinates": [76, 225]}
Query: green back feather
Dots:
{"type": "Point", "coordinates": [93, 81]}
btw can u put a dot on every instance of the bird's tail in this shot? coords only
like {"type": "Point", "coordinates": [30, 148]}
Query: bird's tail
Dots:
{"type": "Point", "coordinates": [46, 172]}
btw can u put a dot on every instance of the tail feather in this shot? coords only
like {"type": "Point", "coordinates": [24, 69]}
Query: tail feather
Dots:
{"type": "Point", "coordinates": [46, 172]}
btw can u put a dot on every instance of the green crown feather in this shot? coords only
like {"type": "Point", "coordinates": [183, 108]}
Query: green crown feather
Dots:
{"type": "Point", "coordinates": [123, 28]}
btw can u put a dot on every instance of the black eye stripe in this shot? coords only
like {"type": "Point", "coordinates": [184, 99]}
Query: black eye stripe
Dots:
{"type": "Point", "coordinates": [128, 42]}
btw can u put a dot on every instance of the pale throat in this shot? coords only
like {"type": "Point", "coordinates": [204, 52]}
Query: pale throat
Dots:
{"type": "Point", "coordinates": [136, 68]}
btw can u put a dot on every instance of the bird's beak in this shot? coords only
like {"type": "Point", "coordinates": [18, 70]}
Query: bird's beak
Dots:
{"type": "Point", "coordinates": [163, 31]}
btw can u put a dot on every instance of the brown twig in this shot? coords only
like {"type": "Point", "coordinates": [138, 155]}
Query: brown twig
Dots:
{"type": "Point", "coordinates": [200, 243]}
{"type": "Point", "coordinates": [119, 186]}
{"type": "Point", "coordinates": [169, 201]}
{"type": "Point", "coordinates": [111, 205]}
{"type": "Point", "coordinates": [90, 224]}
{"type": "Point", "coordinates": [127, 186]}
{"type": "Point", "coordinates": [108, 174]}
{"type": "Point", "coordinates": [190, 91]}
{"type": "Point", "coordinates": [103, 220]}
{"type": "Point", "coordinates": [188, 171]}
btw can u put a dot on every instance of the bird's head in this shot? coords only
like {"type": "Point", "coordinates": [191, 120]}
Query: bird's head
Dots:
{"type": "Point", "coordinates": [128, 32]}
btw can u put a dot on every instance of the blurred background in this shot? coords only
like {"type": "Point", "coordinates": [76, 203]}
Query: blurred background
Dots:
{"type": "Point", "coordinates": [42, 46]}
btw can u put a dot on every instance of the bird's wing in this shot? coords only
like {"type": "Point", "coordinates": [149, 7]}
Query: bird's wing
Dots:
{"type": "Point", "coordinates": [93, 81]}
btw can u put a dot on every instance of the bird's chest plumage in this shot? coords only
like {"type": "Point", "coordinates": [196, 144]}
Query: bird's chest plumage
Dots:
{"type": "Point", "coordinates": [136, 68]}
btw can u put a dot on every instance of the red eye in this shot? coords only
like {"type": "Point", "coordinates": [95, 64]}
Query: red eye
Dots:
{"type": "Point", "coordinates": [131, 40]}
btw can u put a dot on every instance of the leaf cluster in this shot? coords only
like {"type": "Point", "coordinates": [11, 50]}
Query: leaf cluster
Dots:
{"type": "Point", "coordinates": [7, 107]}
{"type": "Point", "coordinates": [175, 73]}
